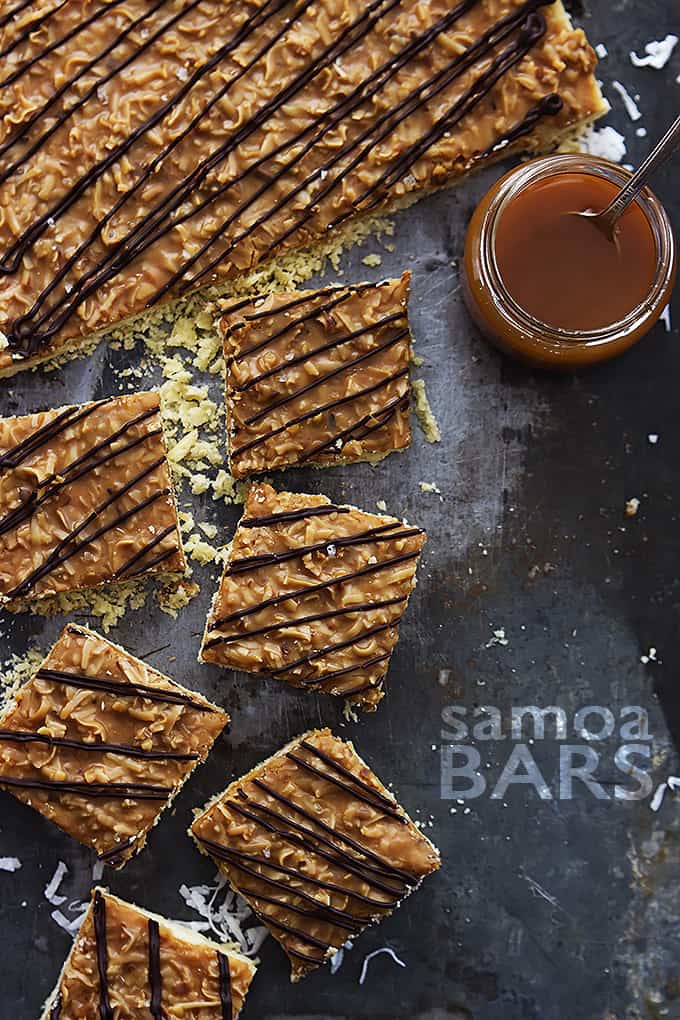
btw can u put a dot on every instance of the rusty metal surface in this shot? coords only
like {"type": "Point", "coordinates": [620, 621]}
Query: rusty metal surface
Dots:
{"type": "Point", "coordinates": [545, 909]}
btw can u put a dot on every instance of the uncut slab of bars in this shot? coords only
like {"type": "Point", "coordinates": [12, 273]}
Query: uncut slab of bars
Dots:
{"type": "Point", "coordinates": [147, 149]}
{"type": "Point", "coordinates": [100, 743]}
{"type": "Point", "coordinates": [85, 498]}
{"type": "Point", "coordinates": [129, 962]}
{"type": "Point", "coordinates": [313, 594]}
{"type": "Point", "coordinates": [316, 844]}
{"type": "Point", "coordinates": [318, 377]}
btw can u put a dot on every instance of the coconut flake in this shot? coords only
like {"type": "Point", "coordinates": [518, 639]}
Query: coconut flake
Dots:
{"type": "Point", "coordinates": [9, 863]}
{"type": "Point", "coordinates": [601, 51]}
{"type": "Point", "coordinates": [605, 142]}
{"type": "Point", "coordinates": [666, 318]}
{"type": "Point", "coordinates": [632, 108]}
{"type": "Point", "coordinates": [225, 914]}
{"type": "Point", "coordinates": [70, 925]}
{"type": "Point", "coordinates": [53, 885]}
{"type": "Point", "coordinates": [377, 952]}
{"type": "Point", "coordinates": [658, 53]}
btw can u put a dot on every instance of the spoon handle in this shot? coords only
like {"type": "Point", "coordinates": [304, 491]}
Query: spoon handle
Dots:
{"type": "Point", "coordinates": [659, 154]}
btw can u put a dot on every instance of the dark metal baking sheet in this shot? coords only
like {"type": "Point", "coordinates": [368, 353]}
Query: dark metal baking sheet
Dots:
{"type": "Point", "coordinates": [559, 909]}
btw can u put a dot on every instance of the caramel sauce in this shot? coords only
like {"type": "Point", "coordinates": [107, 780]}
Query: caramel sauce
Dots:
{"type": "Point", "coordinates": [561, 268]}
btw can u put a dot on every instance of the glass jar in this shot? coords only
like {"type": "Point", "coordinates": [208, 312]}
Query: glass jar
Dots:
{"type": "Point", "coordinates": [512, 328]}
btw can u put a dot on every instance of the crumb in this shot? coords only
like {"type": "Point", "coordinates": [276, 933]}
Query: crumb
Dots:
{"type": "Point", "coordinates": [653, 438]}
{"type": "Point", "coordinates": [498, 638]}
{"type": "Point", "coordinates": [429, 487]}
{"type": "Point", "coordinates": [424, 413]}
{"type": "Point", "coordinates": [372, 260]}
{"type": "Point", "coordinates": [632, 506]}
{"type": "Point", "coordinates": [381, 505]}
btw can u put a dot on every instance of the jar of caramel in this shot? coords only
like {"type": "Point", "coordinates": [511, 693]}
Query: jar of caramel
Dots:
{"type": "Point", "coordinates": [545, 285]}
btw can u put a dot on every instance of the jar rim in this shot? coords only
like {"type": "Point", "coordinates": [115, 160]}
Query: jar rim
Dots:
{"type": "Point", "coordinates": [515, 182]}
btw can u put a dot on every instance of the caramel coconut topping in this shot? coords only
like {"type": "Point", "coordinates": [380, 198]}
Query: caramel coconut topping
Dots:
{"type": "Point", "coordinates": [316, 845]}
{"type": "Point", "coordinates": [318, 376]}
{"type": "Point", "coordinates": [313, 594]}
{"type": "Point", "coordinates": [85, 498]}
{"type": "Point", "coordinates": [100, 743]}
{"type": "Point", "coordinates": [152, 146]}
{"type": "Point", "coordinates": [127, 962]}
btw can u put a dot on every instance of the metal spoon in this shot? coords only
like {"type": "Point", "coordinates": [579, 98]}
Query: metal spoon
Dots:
{"type": "Point", "coordinates": [607, 219]}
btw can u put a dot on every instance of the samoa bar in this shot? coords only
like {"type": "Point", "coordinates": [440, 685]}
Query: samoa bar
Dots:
{"type": "Point", "coordinates": [313, 593]}
{"type": "Point", "coordinates": [100, 743]}
{"type": "Point", "coordinates": [315, 843]}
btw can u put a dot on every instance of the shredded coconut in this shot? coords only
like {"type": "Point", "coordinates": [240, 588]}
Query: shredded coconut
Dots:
{"type": "Point", "coordinates": [371, 956]}
{"type": "Point", "coordinates": [225, 914]}
{"type": "Point", "coordinates": [51, 889]}
{"type": "Point", "coordinates": [605, 142]}
{"type": "Point", "coordinates": [9, 863]}
{"type": "Point", "coordinates": [601, 51]}
{"type": "Point", "coordinates": [498, 638]}
{"type": "Point", "coordinates": [632, 108]}
{"type": "Point", "coordinates": [658, 53]}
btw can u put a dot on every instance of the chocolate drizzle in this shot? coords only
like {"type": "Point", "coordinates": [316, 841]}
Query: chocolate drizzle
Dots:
{"type": "Point", "coordinates": [126, 689]}
{"type": "Point", "coordinates": [330, 583]}
{"type": "Point", "coordinates": [43, 321]}
{"type": "Point", "coordinates": [112, 855]}
{"type": "Point", "coordinates": [247, 563]}
{"type": "Point", "coordinates": [289, 516]}
{"type": "Point", "coordinates": [549, 106]}
{"type": "Point", "coordinates": [127, 750]}
{"type": "Point", "coordinates": [365, 607]}
{"type": "Point", "coordinates": [321, 653]}
{"type": "Point", "coordinates": [155, 975]}
{"type": "Point", "coordinates": [112, 791]}
{"type": "Point", "coordinates": [105, 1011]}
{"type": "Point", "coordinates": [225, 985]}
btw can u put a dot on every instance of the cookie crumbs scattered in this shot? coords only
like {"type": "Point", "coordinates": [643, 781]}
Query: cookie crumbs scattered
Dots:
{"type": "Point", "coordinates": [632, 506]}
{"type": "Point", "coordinates": [108, 603]}
{"type": "Point", "coordinates": [381, 505]}
{"type": "Point", "coordinates": [498, 638]}
{"type": "Point", "coordinates": [171, 598]}
{"type": "Point", "coordinates": [372, 260]}
{"type": "Point", "coordinates": [424, 413]}
{"type": "Point", "coordinates": [429, 487]}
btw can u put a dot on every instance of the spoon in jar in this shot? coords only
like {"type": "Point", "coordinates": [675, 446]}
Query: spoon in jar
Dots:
{"type": "Point", "coordinates": [607, 219]}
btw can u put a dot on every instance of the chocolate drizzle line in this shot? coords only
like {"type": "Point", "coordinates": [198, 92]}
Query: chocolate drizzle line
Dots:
{"type": "Point", "coordinates": [375, 800]}
{"type": "Point", "coordinates": [28, 31]}
{"type": "Point", "coordinates": [155, 975]}
{"type": "Point", "coordinates": [288, 516]}
{"type": "Point", "coordinates": [330, 583]}
{"type": "Point", "coordinates": [337, 767]}
{"type": "Point", "coordinates": [303, 299]}
{"type": "Point", "coordinates": [111, 855]}
{"type": "Point", "coordinates": [130, 690]}
{"type": "Point", "coordinates": [321, 653]}
{"type": "Point", "coordinates": [382, 415]}
{"type": "Point", "coordinates": [128, 750]}
{"type": "Point", "coordinates": [321, 409]}
{"type": "Point", "coordinates": [384, 866]}
{"type": "Point", "coordinates": [372, 535]}
{"type": "Point", "coordinates": [346, 366]}
{"type": "Point", "coordinates": [339, 859]}
{"type": "Point", "coordinates": [114, 791]}
{"type": "Point", "coordinates": [237, 857]}
{"type": "Point", "coordinates": [105, 1011]}
{"type": "Point", "coordinates": [141, 553]}
{"type": "Point", "coordinates": [53, 428]}
{"type": "Point", "coordinates": [334, 674]}
{"type": "Point", "coordinates": [28, 507]}
{"type": "Point", "coordinates": [61, 552]}
{"type": "Point", "coordinates": [340, 296]}
{"type": "Point", "coordinates": [25, 126]}
{"type": "Point", "coordinates": [144, 234]}
{"type": "Point", "coordinates": [57, 43]}
{"type": "Point", "coordinates": [346, 338]}
{"type": "Point", "coordinates": [225, 985]}
{"type": "Point", "coordinates": [366, 607]}
{"type": "Point", "coordinates": [549, 106]}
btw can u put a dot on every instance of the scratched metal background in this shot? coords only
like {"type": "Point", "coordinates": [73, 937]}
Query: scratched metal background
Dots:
{"type": "Point", "coordinates": [542, 910]}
